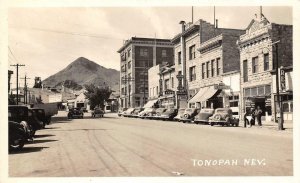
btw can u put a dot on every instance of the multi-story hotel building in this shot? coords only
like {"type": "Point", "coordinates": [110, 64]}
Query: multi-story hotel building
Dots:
{"type": "Point", "coordinates": [137, 56]}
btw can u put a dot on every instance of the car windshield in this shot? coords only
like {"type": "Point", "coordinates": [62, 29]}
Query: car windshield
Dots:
{"type": "Point", "coordinates": [189, 110]}
{"type": "Point", "coordinates": [222, 110]}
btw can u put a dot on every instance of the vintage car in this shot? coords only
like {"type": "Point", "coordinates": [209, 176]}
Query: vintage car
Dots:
{"type": "Point", "coordinates": [40, 114]}
{"type": "Point", "coordinates": [179, 115]}
{"type": "Point", "coordinates": [128, 112]}
{"type": "Point", "coordinates": [203, 115]}
{"type": "Point", "coordinates": [84, 109]}
{"type": "Point", "coordinates": [121, 111]}
{"type": "Point", "coordinates": [223, 116]}
{"type": "Point", "coordinates": [157, 113]}
{"type": "Point", "coordinates": [169, 114]}
{"type": "Point", "coordinates": [146, 112]}
{"type": "Point", "coordinates": [97, 113]}
{"type": "Point", "coordinates": [136, 112]}
{"type": "Point", "coordinates": [75, 113]}
{"type": "Point", "coordinates": [189, 114]}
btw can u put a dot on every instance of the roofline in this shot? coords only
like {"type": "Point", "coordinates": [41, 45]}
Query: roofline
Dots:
{"type": "Point", "coordinates": [129, 41]}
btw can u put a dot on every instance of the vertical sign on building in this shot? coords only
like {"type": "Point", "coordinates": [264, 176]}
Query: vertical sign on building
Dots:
{"type": "Point", "coordinates": [282, 79]}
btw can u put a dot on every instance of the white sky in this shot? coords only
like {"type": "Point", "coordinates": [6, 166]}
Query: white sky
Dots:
{"type": "Point", "coordinates": [48, 39]}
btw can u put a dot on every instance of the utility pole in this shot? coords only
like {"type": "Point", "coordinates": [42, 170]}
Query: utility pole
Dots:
{"type": "Point", "coordinates": [25, 89]}
{"type": "Point", "coordinates": [17, 67]}
{"type": "Point", "coordinates": [279, 104]}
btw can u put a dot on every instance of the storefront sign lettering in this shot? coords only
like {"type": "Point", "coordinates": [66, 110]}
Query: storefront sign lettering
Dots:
{"type": "Point", "coordinates": [282, 80]}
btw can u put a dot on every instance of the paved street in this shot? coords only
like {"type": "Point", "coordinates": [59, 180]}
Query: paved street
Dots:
{"type": "Point", "coordinates": [114, 146]}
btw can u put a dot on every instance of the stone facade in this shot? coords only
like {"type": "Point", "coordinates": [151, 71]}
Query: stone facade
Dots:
{"type": "Point", "coordinates": [258, 58]}
{"type": "Point", "coordinates": [137, 56]}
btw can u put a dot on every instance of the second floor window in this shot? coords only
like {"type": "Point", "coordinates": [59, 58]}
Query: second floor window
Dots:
{"type": "Point", "coordinates": [192, 73]}
{"type": "Point", "coordinates": [167, 84]}
{"type": "Point", "coordinates": [254, 64]}
{"type": "Point", "coordinates": [266, 62]}
{"type": "Point", "coordinates": [207, 69]}
{"type": "Point", "coordinates": [218, 66]}
{"type": "Point", "coordinates": [192, 52]}
{"type": "Point", "coordinates": [212, 68]}
{"type": "Point", "coordinates": [203, 70]}
{"type": "Point", "coordinates": [172, 82]}
{"type": "Point", "coordinates": [143, 52]}
{"type": "Point", "coordinates": [129, 64]}
{"type": "Point", "coordinates": [128, 53]}
{"type": "Point", "coordinates": [179, 58]}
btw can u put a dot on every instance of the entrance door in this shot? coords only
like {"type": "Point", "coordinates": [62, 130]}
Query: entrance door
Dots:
{"type": "Point", "coordinates": [261, 102]}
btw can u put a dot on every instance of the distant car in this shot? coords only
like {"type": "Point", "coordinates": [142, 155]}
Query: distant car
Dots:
{"type": "Point", "coordinates": [121, 111]}
{"type": "Point", "coordinates": [203, 115]}
{"type": "Point", "coordinates": [169, 114]}
{"type": "Point", "coordinates": [189, 114]}
{"type": "Point", "coordinates": [179, 115]}
{"type": "Point", "coordinates": [158, 113]}
{"type": "Point", "coordinates": [128, 112]}
{"type": "Point", "coordinates": [223, 116]}
{"type": "Point", "coordinates": [75, 113]}
{"type": "Point", "coordinates": [136, 112]}
{"type": "Point", "coordinates": [146, 112]}
{"type": "Point", "coordinates": [97, 113]}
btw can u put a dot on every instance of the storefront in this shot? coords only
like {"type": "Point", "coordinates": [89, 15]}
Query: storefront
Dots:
{"type": "Point", "coordinates": [168, 99]}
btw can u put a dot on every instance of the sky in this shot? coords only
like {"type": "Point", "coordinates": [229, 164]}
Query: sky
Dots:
{"type": "Point", "coordinates": [46, 40]}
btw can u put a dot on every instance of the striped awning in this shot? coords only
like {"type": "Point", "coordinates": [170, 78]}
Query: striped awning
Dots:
{"type": "Point", "coordinates": [150, 103]}
{"type": "Point", "coordinates": [204, 94]}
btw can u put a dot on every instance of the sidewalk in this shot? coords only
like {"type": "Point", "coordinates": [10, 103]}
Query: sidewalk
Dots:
{"type": "Point", "coordinates": [272, 125]}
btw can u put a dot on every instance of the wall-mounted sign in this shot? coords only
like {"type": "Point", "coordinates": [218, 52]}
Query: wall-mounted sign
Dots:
{"type": "Point", "coordinates": [221, 86]}
{"type": "Point", "coordinates": [282, 79]}
{"type": "Point", "coordinates": [169, 92]}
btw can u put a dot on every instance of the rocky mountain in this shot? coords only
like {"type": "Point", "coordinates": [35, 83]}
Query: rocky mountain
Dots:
{"type": "Point", "coordinates": [83, 71]}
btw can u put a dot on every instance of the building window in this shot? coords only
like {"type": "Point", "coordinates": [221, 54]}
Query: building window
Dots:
{"type": "Point", "coordinates": [266, 62]}
{"type": "Point", "coordinates": [172, 82]}
{"type": "Point", "coordinates": [218, 66]}
{"type": "Point", "coordinates": [207, 69]}
{"type": "Point", "coordinates": [167, 84]}
{"type": "Point", "coordinates": [254, 64]}
{"type": "Point", "coordinates": [192, 52]}
{"type": "Point", "coordinates": [234, 101]}
{"type": "Point", "coordinates": [128, 53]}
{"type": "Point", "coordinates": [212, 68]}
{"type": "Point", "coordinates": [179, 58]}
{"type": "Point", "coordinates": [203, 70]}
{"type": "Point", "coordinates": [129, 65]}
{"type": "Point", "coordinates": [143, 52]}
{"type": "Point", "coordinates": [156, 90]}
{"type": "Point", "coordinates": [245, 70]}
{"type": "Point", "coordinates": [193, 73]}
{"type": "Point", "coordinates": [164, 53]}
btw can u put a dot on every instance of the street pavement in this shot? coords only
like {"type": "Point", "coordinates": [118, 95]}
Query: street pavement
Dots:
{"type": "Point", "coordinates": [119, 146]}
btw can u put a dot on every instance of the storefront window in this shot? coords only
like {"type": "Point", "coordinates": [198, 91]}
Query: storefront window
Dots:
{"type": "Point", "coordinates": [285, 107]}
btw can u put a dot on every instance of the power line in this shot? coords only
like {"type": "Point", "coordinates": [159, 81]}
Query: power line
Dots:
{"type": "Point", "coordinates": [12, 54]}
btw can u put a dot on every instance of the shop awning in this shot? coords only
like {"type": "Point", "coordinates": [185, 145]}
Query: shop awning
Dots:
{"type": "Point", "coordinates": [150, 103]}
{"type": "Point", "coordinates": [204, 94]}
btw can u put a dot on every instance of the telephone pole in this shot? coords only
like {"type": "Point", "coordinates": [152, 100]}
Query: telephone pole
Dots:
{"type": "Point", "coordinates": [25, 89]}
{"type": "Point", "coordinates": [17, 68]}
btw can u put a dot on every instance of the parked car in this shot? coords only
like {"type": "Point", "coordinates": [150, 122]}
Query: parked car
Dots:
{"type": "Point", "coordinates": [97, 113]}
{"type": "Point", "coordinates": [34, 121]}
{"type": "Point", "coordinates": [128, 112]}
{"type": "Point", "coordinates": [75, 113]}
{"type": "Point", "coordinates": [179, 114]}
{"type": "Point", "coordinates": [20, 114]}
{"type": "Point", "coordinates": [40, 114]}
{"type": "Point", "coordinates": [84, 109]}
{"type": "Point", "coordinates": [189, 114]}
{"type": "Point", "coordinates": [146, 112]}
{"type": "Point", "coordinates": [169, 114]}
{"type": "Point", "coordinates": [158, 113]}
{"type": "Point", "coordinates": [223, 116]}
{"type": "Point", "coordinates": [121, 111]}
{"type": "Point", "coordinates": [136, 112]}
{"type": "Point", "coordinates": [16, 135]}
{"type": "Point", "coordinates": [203, 115]}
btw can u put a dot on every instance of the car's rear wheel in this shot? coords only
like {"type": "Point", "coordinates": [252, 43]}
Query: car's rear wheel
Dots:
{"type": "Point", "coordinates": [211, 124]}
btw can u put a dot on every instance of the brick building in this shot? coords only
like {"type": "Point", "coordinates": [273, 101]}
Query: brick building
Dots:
{"type": "Point", "coordinates": [137, 56]}
{"type": "Point", "coordinates": [258, 59]}
{"type": "Point", "coordinates": [209, 54]}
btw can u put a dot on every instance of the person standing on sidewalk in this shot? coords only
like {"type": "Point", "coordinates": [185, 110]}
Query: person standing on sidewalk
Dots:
{"type": "Point", "coordinates": [258, 114]}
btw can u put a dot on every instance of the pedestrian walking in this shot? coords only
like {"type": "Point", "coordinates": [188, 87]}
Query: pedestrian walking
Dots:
{"type": "Point", "coordinates": [258, 114]}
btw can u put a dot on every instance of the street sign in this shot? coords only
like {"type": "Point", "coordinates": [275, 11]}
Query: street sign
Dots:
{"type": "Point", "coordinates": [221, 86]}
{"type": "Point", "coordinates": [282, 79]}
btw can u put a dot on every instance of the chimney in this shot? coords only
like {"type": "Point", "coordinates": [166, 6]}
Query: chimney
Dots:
{"type": "Point", "coordinates": [216, 23]}
{"type": "Point", "coordinates": [182, 25]}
